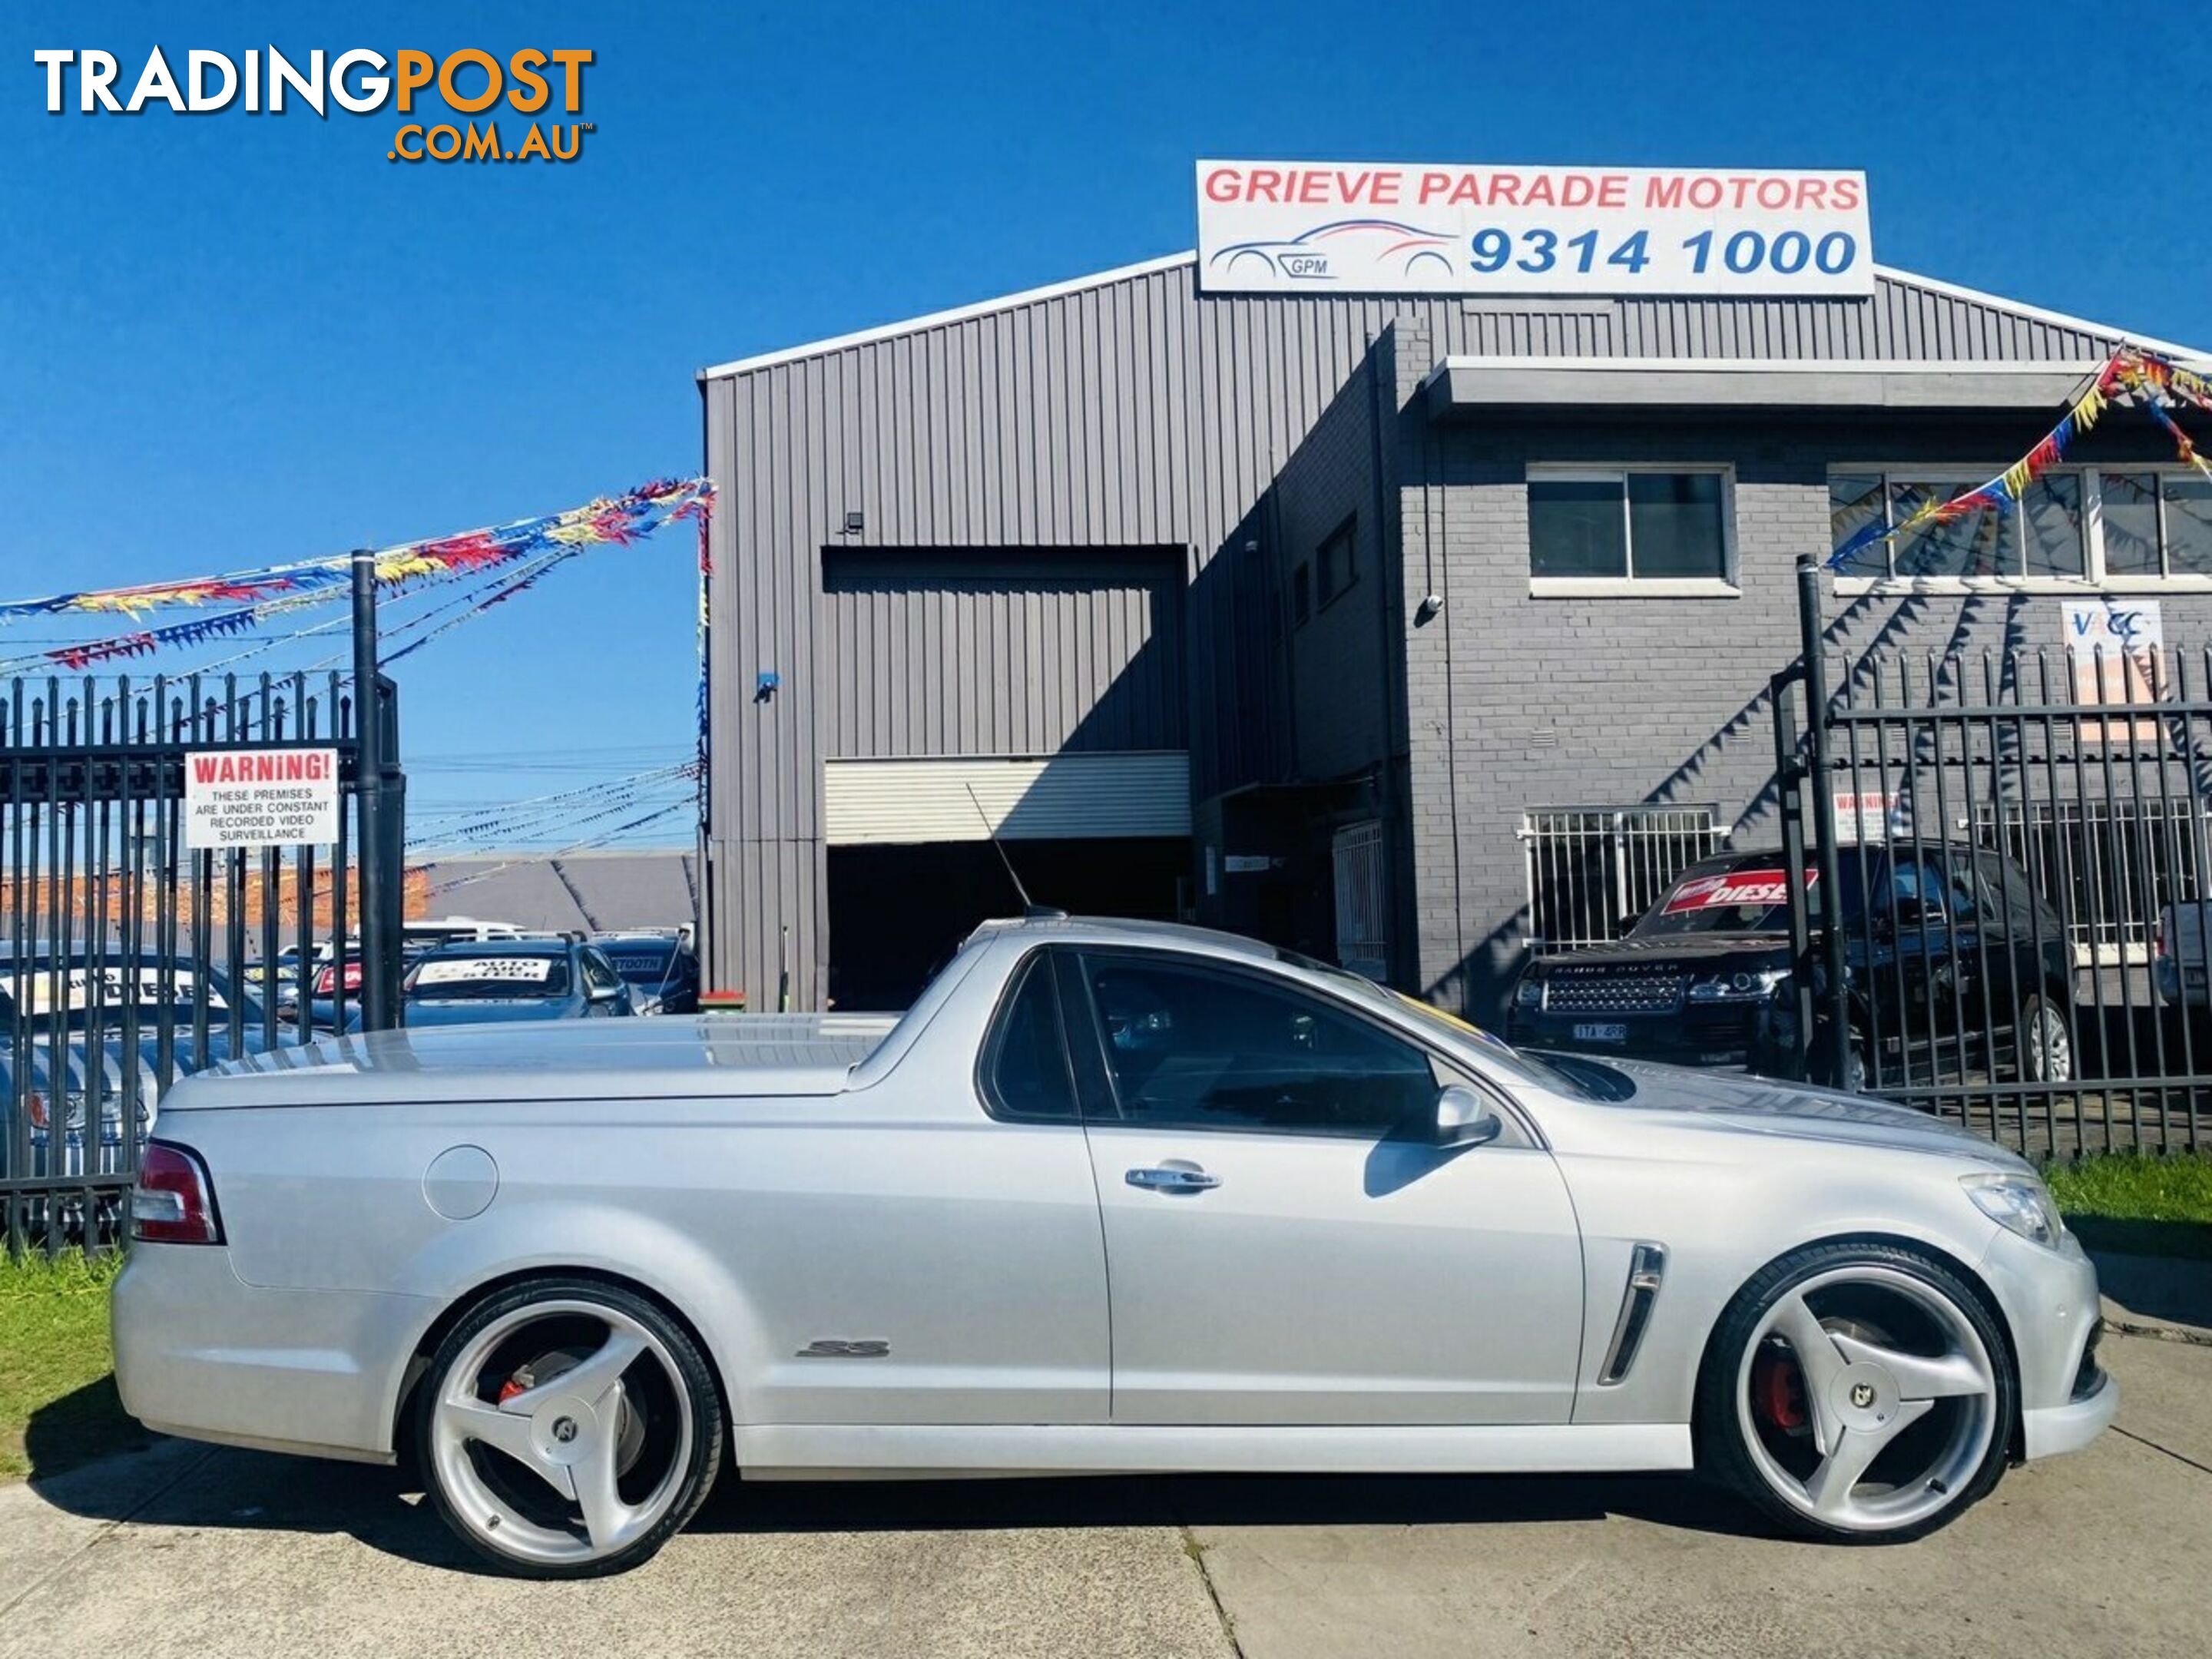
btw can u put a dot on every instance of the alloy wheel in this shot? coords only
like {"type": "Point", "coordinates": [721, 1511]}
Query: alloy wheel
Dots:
{"type": "Point", "coordinates": [1867, 1399]}
{"type": "Point", "coordinates": [2050, 1048]}
{"type": "Point", "coordinates": [562, 1433]}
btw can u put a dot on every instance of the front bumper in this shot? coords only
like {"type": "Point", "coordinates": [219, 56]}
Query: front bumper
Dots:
{"type": "Point", "coordinates": [2050, 1300]}
{"type": "Point", "coordinates": [202, 1354]}
{"type": "Point", "coordinates": [1730, 1036]}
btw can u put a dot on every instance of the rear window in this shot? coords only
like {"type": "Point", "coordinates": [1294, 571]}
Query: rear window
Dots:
{"type": "Point", "coordinates": [640, 964]}
{"type": "Point", "coordinates": [506, 977]}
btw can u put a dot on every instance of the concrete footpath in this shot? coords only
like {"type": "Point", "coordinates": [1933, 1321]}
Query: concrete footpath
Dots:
{"type": "Point", "coordinates": [191, 1551]}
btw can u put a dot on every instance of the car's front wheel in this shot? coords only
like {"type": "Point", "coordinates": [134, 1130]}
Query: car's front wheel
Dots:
{"type": "Point", "coordinates": [568, 1428]}
{"type": "Point", "coordinates": [1856, 1392]}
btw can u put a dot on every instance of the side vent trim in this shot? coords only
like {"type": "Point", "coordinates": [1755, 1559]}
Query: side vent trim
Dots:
{"type": "Point", "coordinates": [1647, 1266]}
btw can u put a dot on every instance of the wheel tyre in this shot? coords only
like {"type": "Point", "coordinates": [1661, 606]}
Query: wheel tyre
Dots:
{"type": "Point", "coordinates": [1722, 1454]}
{"type": "Point", "coordinates": [692, 1373]}
{"type": "Point", "coordinates": [2033, 1067]}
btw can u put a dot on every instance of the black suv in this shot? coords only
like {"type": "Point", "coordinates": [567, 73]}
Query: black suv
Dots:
{"type": "Point", "coordinates": [1953, 962]}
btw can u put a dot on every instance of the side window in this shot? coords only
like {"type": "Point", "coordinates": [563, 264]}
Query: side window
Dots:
{"type": "Point", "coordinates": [1026, 1073]}
{"type": "Point", "coordinates": [599, 977]}
{"type": "Point", "coordinates": [1960, 897]}
{"type": "Point", "coordinates": [1198, 1047]}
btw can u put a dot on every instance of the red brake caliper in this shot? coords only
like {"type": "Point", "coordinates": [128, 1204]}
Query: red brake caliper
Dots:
{"type": "Point", "coordinates": [1778, 1387]}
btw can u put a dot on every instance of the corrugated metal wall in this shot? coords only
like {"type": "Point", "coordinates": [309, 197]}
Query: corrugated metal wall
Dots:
{"type": "Point", "coordinates": [953, 655]}
{"type": "Point", "coordinates": [1130, 413]}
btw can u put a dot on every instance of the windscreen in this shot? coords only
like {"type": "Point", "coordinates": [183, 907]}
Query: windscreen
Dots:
{"type": "Point", "coordinates": [505, 978]}
{"type": "Point", "coordinates": [1748, 894]}
{"type": "Point", "coordinates": [1520, 1066]}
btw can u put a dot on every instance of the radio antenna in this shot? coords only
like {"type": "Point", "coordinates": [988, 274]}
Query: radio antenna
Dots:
{"type": "Point", "coordinates": [1030, 907]}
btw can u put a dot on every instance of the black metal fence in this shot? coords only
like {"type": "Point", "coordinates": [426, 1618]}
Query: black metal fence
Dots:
{"type": "Point", "coordinates": [1999, 876]}
{"type": "Point", "coordinates": [133, 958]}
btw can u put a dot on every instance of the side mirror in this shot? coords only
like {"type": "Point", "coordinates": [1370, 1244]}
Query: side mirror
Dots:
{"type": "Point", "coordinates": [1464, 1118]}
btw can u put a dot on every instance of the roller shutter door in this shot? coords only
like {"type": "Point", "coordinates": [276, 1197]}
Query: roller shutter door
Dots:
{"type": "Point", "coordinates": [1083, 796]}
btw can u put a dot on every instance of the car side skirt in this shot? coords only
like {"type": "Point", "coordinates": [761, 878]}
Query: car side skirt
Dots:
{"type": "Point", "coordinates": [812, 1451]}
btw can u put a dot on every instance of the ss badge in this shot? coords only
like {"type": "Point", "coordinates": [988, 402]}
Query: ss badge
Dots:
{"type": "Point", "coordinates": [834, 1348]}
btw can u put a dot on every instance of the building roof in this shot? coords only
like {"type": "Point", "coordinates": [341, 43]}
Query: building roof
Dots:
{"type": "Point", "coordinates": [1952, 322]}
{"type": "Point", "coordinates": [596, 891]}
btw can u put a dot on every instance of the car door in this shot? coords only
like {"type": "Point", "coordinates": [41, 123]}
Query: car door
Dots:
{"type": "Point", "coordinates": [1285, 1243]}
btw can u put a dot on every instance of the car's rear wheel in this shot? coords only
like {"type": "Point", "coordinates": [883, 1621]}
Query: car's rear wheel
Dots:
{"type": "Point", "coordinates": [567, 1429]}
{"type": "Point", "coordinates": [1860, 1392]}
{"type": "Point", "coordinates": [2045, 1046]}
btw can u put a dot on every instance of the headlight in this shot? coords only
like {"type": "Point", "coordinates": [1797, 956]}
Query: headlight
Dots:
{"type": "Point", "coordinates": [1739, 987]}
{"type": "Point", "coordinates": [1529, 993]}
{"type": "Point", "coordinates": [2019, 1204]}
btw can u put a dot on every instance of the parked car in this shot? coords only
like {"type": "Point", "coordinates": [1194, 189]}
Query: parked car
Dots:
{"type": "Point", "coordinates": [2178, 962]}
{"type": "Point", "coordinates": [417, 939]}
{"type": "Point", "coordinates": [1940, 938]}
{"type": "Point", "coordinates": [509, 980]}
{"type": "Point", "coordinates": [62, 1112]}
{"type": "Point", "coordinates": [573, 1271]}
{"type": "Point", "coordinates": [659, 966]}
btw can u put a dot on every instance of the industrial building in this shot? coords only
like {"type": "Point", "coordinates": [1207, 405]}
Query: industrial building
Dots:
{"type": "Point", "coordinates": [1414, 630]}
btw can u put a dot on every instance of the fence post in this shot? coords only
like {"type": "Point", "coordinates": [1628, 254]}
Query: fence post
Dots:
{"type": "Point", "coordinates": [377, 946]}
{"type": "Point", "coordinates": [1835, 1061]}
{"type": "Point", "coordinates": [1790, 804]}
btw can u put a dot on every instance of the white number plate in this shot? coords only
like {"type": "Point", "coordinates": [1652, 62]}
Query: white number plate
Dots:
{"type": "Point", "coordinates": [1608, 1033]}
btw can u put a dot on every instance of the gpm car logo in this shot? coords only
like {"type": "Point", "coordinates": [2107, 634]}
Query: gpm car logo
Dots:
{"type": "Point", "coordinates": [1343, 248]}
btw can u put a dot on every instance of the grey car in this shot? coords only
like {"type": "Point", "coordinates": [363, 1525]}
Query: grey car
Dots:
{"type": "Point", "coordinates": [1109, 1197]}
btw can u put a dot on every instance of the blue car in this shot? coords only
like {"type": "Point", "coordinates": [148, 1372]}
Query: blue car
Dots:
{"type": "Point", "coordinates": [509, 980]}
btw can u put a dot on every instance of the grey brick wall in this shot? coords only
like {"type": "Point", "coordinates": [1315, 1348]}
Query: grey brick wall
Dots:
{"type": "Point", "coordinates": [1515, 702]}
{"type": "Point", "coordinates": [1339, 656]}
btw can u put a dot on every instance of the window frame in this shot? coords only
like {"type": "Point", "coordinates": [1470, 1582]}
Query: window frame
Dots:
{"type": "Point", "coordinates": [1044, 960]}
{"type": "Point", "coordinates": [2094, 578]}
{"type": "Point", "coordinates": [1629, 585]}
{"type": "Point", "coordinates": [1343, 540]}
{"type": "Point", "coordinates": [1302, 607]}
{"type": "Point", "coordinates": [1102, 1090]}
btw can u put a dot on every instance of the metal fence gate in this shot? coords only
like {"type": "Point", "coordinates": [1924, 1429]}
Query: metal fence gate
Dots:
{"type": "Point", "coordinates": [132, 960]}
{"type": "Point", "coordinates": [1998, 864]}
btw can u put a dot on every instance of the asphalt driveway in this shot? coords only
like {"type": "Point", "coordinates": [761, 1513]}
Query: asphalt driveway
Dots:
{"type": "Point", "coordinates": [198, 1552]}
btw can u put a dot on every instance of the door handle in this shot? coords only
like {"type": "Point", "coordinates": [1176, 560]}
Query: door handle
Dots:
{"type": "Point", "coordinates": [1173, 1181]}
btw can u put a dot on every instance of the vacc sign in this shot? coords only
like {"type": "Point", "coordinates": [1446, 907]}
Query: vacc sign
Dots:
{"type": "Point", "coordinates": [1293, 227]}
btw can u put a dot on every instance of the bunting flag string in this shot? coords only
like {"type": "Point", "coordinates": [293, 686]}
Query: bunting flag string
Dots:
{"type": "Point", "coordinates": [620, 521]}
{"type": "Point", "coordinates": [2143, 377]}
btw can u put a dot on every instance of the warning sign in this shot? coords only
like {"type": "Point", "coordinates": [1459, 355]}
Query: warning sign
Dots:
{"type": "Point", "coordinates": [261, 798]}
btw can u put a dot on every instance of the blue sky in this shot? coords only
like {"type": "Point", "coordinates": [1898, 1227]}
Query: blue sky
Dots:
{"type": "Point", "coordinates": [229, 340]}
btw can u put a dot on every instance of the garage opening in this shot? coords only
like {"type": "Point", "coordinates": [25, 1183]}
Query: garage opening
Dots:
{"type": "Point", "coordinates": [897, 913]}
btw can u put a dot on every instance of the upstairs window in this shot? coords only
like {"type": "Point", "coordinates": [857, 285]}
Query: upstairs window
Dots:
{"type": "Point", "coordinates": [2082, 523]}
{"type": "Point", "coordinates": [1300, 595]}
{"type": "Point", "coordinates": [1631, 524]}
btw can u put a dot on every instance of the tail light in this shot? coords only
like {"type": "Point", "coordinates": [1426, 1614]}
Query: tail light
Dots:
{"type": "Point", "coordinates": [35, 1107]}
{"type": "Point", "coordinates": [173, 1202]}
{"type": "Point", "coordinates": [326, 982]}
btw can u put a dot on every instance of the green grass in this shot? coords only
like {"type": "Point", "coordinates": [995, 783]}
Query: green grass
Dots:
{"type": "Point", "coordinates": [57, 1401]}
{"type": "Point", "coordinates": [2146, 1206]}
